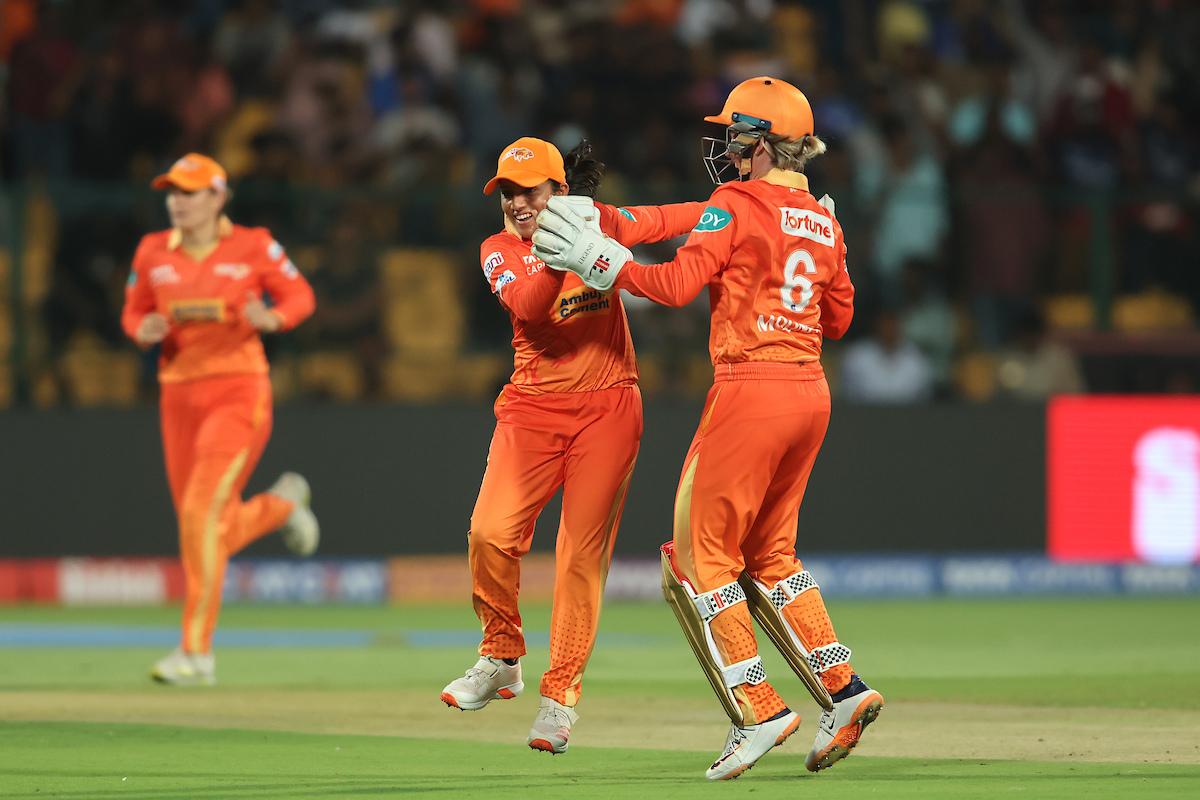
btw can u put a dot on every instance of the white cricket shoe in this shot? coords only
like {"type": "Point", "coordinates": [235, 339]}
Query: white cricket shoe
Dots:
{"type": "Point", "coordinates": [490, 679]}
{"type": "Point", "coordinates": [854, 708]}
{"type": "Point", "coordinates": [301, 532]}
{"type": "Point", "coordinates": [745, 746]}
{"type": "Point", "coordinates": [552, 726]}
{"type": "Point", "coordinates": [185, 669]}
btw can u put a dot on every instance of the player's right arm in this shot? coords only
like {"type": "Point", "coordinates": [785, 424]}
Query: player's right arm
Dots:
{"type": "Point", "coordinates": [527, 296]}
{"type": "Point", "coordinates": [638, 224]}
{"type": "Point", "coordinates": [139, 319]}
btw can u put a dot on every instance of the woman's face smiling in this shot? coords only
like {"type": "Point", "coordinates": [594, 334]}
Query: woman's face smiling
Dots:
{"type": "Point", "coordinates": [521, 205]}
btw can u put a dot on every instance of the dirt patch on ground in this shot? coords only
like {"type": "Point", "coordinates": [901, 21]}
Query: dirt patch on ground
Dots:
{"type": "Point", "coordinates": [912, 730]}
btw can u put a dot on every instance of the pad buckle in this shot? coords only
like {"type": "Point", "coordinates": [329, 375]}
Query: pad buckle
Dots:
{"type": "Point", "coordinates": [709, 604]}
{"type": "Point", "coordinates": [828, 656]}
{"type": "Point", "coordinates": [791, 587]}
{"type": "Point", "coordinates": [750, 671]}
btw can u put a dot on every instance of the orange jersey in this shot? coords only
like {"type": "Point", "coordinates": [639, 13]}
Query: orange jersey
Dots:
{"type": "Point", "coordinates": [774, 260]}
{"type": "Point", "coordinates": [202, 300]}
{"type": "Point", "coordinates": [566, 336]}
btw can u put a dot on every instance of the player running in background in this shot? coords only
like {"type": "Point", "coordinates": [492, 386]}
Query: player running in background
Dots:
{"type": "Point", "coordinates": [774, 260]}
{"type": "Point", "coordinates": [570, 416]}
{"type": "Point", "coordinates": [197, 290]}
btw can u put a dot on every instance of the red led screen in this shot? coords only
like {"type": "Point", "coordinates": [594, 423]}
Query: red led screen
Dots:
{"type": "Point", "coordinates": [1124, 479]}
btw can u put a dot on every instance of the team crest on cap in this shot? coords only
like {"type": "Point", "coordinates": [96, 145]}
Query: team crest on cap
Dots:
{"type": "Point", "coordinates": [519, 154]}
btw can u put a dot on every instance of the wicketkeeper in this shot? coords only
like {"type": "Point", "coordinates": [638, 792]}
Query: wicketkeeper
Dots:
{"type": "Point", "coordinates": [774, 260]}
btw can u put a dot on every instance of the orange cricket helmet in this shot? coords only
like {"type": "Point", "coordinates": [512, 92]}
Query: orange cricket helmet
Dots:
{"type": "Point", "coordinates": [755, 108]}
{"type": "Point", "coordinates": [769, 104]}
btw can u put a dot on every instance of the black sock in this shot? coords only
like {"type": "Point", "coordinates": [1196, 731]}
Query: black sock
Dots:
{"type": "Point", "coordinates": [850, 689]}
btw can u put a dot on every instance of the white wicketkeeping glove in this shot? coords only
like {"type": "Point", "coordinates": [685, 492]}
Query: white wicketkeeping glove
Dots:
{"type": "Point", "coordinates": [569, 242]}
{"type": "Point", "coordinates": [585, 207]}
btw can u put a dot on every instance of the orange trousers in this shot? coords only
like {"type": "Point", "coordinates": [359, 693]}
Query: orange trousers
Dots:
{"type": "Point", "coordinates": [738, 505]}
{"type": "Point", "coordinates": [587, 443]}
{"type": "Point", "coordinates": [214, 431]}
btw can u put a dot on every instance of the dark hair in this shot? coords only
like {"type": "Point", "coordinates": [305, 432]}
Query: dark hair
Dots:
{"type": "Point", "coordinates": [583, 170]}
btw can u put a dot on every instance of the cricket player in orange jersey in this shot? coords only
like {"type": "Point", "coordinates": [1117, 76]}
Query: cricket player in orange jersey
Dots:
{"type": "Point", "coordinates": [571, 416]}
{"type": "Point", "coordinates": [197, 290]}
{"type": "Point", "coordinates": [774, 260]}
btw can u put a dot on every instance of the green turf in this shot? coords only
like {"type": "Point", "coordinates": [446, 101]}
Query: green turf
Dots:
{"type": "Point", "coordinates": [1038, 652]}
{"type": "Point", "coordinates": [999, 651]}
{"type": "Point", "coordinates": [139, 761]}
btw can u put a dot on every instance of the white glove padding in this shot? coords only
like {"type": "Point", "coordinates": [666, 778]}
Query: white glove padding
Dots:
{"type": "Point", "coordinates": [566, 241]}
{"type": "Point", "coordinates": [585, 207]}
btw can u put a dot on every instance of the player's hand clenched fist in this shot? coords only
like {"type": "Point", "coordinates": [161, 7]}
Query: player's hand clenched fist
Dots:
{"type": "Point", "coordinates": [567, 241]}
{"type": "Point", "coordinates": [152, 329]}
{"type": "Point", "coordinates": [262, 318]}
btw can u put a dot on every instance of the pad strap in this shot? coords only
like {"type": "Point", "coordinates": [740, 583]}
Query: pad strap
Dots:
{"type": "Point", "coordinates": [749, 671]}
{"type": "Point", "coordinates": [789, 589]}
{"type": "Point", "coordinates": [709, 604]}
{"type": "Point", "coordinates": [828, 656]}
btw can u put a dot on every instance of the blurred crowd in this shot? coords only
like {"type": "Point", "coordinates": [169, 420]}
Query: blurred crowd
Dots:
{"type": "Point", "coordinates": [1018, 180]}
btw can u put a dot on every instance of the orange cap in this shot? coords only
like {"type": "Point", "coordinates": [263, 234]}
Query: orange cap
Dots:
{"type": "Point", "coordinates": [192, 173]}
{"type": "Point", "coordinates": [527, 162]}
{"type": "Point", "coordinates": [783, 107]}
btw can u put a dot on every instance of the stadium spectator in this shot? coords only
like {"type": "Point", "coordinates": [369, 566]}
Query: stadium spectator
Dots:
{"type": "Point", "coordinates": [43, 71]}
{"type": "Point", "coordinates": [885, 368]}
{"type": "Point", "coordinates": [927, 319]}
{"type": "Point", "coordinates": [348, 294]}
{"type": "Point", "coordinates": [1095, 105]}
{"type": "Point", "coordinates": [1037, 367]}
{"type": "Point", "coordinates": [911, 199]}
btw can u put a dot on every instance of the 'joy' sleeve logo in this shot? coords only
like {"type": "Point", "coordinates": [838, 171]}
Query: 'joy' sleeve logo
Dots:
{"type": "Point", "coordinates": [713, 219]}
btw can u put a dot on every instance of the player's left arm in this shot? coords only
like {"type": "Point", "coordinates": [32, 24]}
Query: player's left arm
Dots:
{"type": "Point", "coordinates": [291, 295]}
{"type": "Point", "coordinates": [837, 301]}
{"type": "Point", "coordinates": [635, 225]}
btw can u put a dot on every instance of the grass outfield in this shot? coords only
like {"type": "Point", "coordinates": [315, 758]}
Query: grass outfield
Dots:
{"type": "Point", "coordinates": [1043, 698]}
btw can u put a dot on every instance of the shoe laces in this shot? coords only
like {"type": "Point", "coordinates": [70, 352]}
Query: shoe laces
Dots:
{"type": "Point", "coordinates": [555, 715]}
{"type": "Point", "coordinates": [478, 674]}
{"type": "Point", "coordinates": [734, 740]}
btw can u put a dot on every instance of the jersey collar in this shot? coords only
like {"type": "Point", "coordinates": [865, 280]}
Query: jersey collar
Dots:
{"type": "Point", "coordinates": [224, 230]}
{"type": "Point", "coordinates": [782, 177]}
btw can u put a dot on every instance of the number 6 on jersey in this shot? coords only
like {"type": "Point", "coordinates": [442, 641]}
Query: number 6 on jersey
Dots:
{"type": "Point", "coordinates": [792, 278]}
